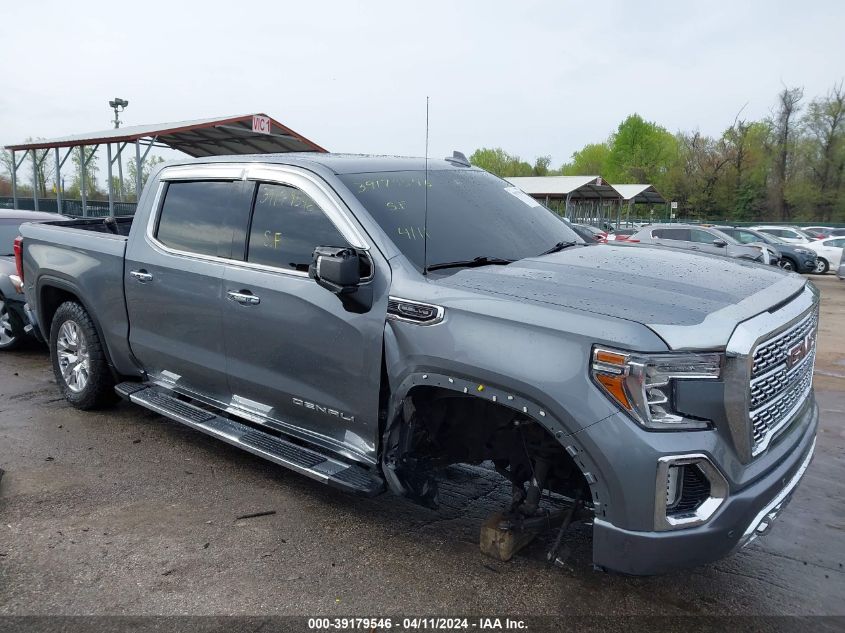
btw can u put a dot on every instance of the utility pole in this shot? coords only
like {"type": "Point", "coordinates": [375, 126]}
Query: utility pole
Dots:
{"type": "Point", "coordinates": [118, 105]}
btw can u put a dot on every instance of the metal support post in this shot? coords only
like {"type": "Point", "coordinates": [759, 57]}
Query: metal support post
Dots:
{"type": "Point", "coordinates": [58, 181]}
{"type": "Point", "coordinates": [34, 180]}
{"type": "Point", "coordinates": [139, 168]}
{"type": "Point", "coordinates": [14, 181]}
{"type": "Point", "coordinates": [111, 193]}
{"type": "Point", "coordinates": [120, 169]}
{"type": "Point", "coordinates": [82, 181]}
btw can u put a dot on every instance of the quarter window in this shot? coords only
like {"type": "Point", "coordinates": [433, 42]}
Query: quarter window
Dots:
{"type": "Point", "coordinates": [202, 217]}
{"type": "Point", "coordinates": [287, 225]}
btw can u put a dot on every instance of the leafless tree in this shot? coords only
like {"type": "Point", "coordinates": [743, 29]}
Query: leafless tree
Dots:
{"type": "Point", "coordinates": [784, 124]}
{"type": "Point", "coordinates": [825, 124]}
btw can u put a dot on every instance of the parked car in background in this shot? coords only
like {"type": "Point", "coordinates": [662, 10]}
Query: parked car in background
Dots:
{"type": "Point", "coordinates": [841, 272]}
{"type": "Point", "coordinates": [622, 235]}
{"type": "Point", "coordinates": [829, 251]}
{"type": "Point", "coordinates": [701, 239]}
{"type": "Point", "coordinates": [14, 324]}
{"type": "Point", "coordinates": [786, 233]}
{"type": "Point", "coordinates": [790, 256]}
{"type": "Point", "coordinates": [589, 233]}
{"type": "Point", "coordinates": [818, 231]}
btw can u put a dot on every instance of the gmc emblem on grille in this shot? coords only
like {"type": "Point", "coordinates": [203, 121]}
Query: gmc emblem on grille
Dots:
{"type": "Point", "coordinates": [797, 353]}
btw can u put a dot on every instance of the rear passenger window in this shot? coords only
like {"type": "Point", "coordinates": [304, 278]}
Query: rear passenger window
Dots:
{"type": "Point", "coordinates": [672, 234]}
{"type": "Point", "coordinates": [202, 217]}
{"type": "Point", "coordinates": [702, 237]}
{"type": "Point", "coordinates": [287, 225]}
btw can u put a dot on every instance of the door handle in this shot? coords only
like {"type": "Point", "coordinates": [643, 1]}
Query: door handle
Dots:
{"type": "Point", "coordinates": [245, 299]}
{"type": "Point", "coordinates": [141, 275]}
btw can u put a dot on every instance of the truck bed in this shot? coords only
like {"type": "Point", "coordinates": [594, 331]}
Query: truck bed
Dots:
{"type": "Point", "coordinates": [83, 259]}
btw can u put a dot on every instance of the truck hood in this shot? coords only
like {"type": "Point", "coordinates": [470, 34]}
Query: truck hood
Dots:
{"type": "Point", "coordinates": [691, 301]}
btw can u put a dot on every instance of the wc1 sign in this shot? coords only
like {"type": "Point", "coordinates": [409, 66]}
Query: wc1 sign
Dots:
{"type": "Point", "coordinates": [261, 124]}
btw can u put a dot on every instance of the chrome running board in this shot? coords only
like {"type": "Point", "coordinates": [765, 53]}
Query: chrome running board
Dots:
{"type": "Point", "coordinates": [305, 461]}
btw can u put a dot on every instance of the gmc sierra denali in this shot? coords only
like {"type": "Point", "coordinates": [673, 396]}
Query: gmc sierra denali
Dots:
{"type": "Point", "coordinates": [367, 321]}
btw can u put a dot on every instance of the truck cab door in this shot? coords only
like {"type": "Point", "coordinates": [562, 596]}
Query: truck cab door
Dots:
{"type": "Point", "coordinates": [174, 281]}
{"type": "Point", "coordinates": [298, 360]}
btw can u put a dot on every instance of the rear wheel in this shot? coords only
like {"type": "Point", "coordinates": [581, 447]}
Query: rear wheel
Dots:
{"type": "Point", "coordinates": [822, 266]}
{"type": "Point", "coordinates": [79, 361]}
{"type": "Point", "coordinates": [11, 331]}
{"type": "Point", "coordinates": [787, 264]}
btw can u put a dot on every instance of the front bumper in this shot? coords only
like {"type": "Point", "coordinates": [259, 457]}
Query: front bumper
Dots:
{"type": "Point", "coordinates": [746, 514]}
{"type": "Point", "coordinates": [807, 263]}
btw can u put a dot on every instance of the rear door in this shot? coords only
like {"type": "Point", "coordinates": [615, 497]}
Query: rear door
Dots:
{"type": "Point", "coordinates": [174, 279]}
{"type": "Point", "coordinates": [298, 361]}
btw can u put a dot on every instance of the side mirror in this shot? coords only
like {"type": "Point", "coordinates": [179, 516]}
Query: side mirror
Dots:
{"type": "Point", "coordinates": [339, 271]}
{"type": "Point", "coordinates": [720, 243]}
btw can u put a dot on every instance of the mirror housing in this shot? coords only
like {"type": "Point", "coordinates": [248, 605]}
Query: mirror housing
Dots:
{"type": "Point", "coordinates": [720, 243]}
{"type": "Point", "coordinates": [339, 271]}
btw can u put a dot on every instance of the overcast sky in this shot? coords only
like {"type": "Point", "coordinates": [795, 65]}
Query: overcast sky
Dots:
{"type": "Point", "coordinates": [532, 77]}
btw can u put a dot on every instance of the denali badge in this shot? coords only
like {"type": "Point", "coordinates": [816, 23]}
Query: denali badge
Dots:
{"type": "Point", "coordinates": [797, 353]}
{"type": "Point", "coordinates": [324, 410]}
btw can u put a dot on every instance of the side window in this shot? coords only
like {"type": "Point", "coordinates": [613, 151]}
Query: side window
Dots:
{"type": "Point", "coordinates": [702, 237]}
{"type": "Point", "coordinates": [837, 243]}
{"type": "Point", "coordinates": [203, 216]}
{"type": "Point", "coordinates": [672, 234]}
{"type": "Point", "coordinates": [287, 225]}
{"type": "Point", "coordinates": [745, 237]}
{"type": "Point", "coordinates": [775, 232]}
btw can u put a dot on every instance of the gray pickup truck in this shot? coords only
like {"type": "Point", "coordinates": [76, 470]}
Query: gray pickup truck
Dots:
{"type": "Point", "coordinates": [369, 321]}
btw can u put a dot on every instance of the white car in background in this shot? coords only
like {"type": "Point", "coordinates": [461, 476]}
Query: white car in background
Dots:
{"type": "Point", "coordinates": [786, 233]}
{"type": "Point", "coordinates": [829, 251]}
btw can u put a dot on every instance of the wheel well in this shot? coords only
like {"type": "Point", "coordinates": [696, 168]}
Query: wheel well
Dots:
{"type": "Point", "coordinates": [50, 300]}
{"type": "Point", "coordinates": [437, 427]}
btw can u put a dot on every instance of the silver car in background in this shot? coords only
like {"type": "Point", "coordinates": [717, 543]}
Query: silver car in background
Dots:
{"type": "Point", "coordinates": [703, 239]}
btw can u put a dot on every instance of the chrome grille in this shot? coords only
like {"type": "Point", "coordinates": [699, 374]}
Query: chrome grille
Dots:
{"type": "Point", "coordinates": [776, 390]}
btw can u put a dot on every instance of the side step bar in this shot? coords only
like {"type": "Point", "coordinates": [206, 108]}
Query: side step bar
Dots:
{"type": "Point", "coordinates": [306, 461]}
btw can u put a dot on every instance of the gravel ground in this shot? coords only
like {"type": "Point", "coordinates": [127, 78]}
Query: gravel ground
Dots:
{"type": "Point", "coordinates": [124, 512]}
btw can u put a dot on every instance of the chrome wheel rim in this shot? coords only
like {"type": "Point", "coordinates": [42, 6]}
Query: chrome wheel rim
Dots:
{"type": "Point", "coordinates": [7, 335]}
{"type": "Point", "coordinates": [786, 264]}
{"type": "Point", "coordinates": [74, 362]}
{"type": "Point", "coordinates": [819, 267]}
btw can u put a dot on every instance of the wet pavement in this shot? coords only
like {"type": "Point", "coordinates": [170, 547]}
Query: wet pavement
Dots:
{"type": "Point", "coordinates": [124, 512]}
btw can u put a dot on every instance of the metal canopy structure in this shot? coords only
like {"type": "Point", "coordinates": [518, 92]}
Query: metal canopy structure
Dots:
{"type": "Point", "coordinates": [587, 199]}
{"type": "Point", "coordinates": [565, 187]}
{"type": "Point", "coordinates": [244, 134]}
{"type": "Point", "coordinates": [634, 194]}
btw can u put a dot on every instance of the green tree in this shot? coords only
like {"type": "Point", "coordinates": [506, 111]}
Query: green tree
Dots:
{"type": "Point", "coordinates": [589, 161]}
{"type": "Point", "coordinates": [91, 171]}
{"type": "Point", "coordinates": [498, 161]}
{"type": "Point", "coordinates": [640, 152]}
{"type": "Point", "coordinates": [132, 171]}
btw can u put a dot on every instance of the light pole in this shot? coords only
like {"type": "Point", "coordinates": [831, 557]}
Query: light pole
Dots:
{"type": "Point", "coordinates": [118, 105]}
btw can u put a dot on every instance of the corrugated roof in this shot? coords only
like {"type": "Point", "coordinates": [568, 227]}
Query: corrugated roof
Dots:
{"type": "Point", "coordinates": [640, 193]}
{"type": "Point", "coordinates": [577, 187]}
{"type": "Point", "coordinates": [200, 137]}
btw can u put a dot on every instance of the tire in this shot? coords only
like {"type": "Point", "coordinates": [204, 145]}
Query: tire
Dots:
{"type": "Point", "coordinates": [79, 360]}
{"type": "Point", "coordinates": [822, 266]}
{"type": "Point", "coordinates": [11, 329]}
{"type": "Point", "coordinates": [787, 264]}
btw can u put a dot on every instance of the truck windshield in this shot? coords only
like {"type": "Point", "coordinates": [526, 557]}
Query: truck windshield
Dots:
{"type": "Point", "coordinates": [472, 216]}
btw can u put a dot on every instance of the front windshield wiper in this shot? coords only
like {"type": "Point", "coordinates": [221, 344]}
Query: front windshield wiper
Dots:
{"type": "Point", "coordinates": [558, 247]}
{"type": "Point", "coordinates": [471, 263]}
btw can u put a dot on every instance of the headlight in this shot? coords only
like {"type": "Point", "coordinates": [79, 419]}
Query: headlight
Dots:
{"type": "Point", "coordinates": [803, 251]}
{"type": "Point", "coordinates": [643, 384]}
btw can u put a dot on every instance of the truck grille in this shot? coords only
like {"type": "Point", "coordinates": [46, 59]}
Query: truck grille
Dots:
{"type": "Point", "coordinates": [781, 378]}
